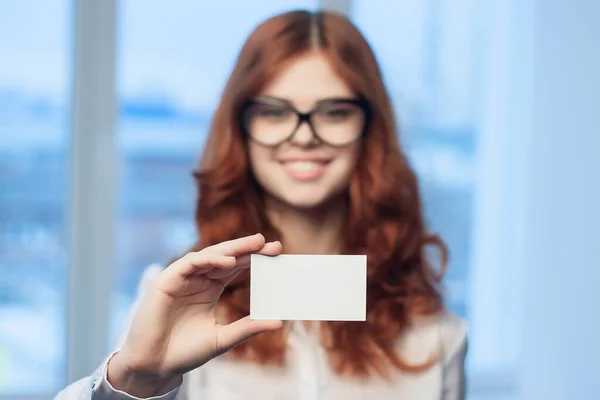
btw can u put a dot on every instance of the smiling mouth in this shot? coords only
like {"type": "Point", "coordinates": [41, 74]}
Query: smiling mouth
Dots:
{"type": "Point", "coordinates": [305, 169]}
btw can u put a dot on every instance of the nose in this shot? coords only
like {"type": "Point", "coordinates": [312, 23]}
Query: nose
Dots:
{"type": "Point", "coordinates": [304, 135]}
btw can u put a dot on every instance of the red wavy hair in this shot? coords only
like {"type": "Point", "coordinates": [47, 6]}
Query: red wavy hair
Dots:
{"type": "Point", "coordinates": [385, 219]}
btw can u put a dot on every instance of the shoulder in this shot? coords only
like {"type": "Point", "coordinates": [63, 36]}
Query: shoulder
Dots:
{"type": "Point", "coordinates": [453, 335]}
{"type": "Point", "coordinates": [148, 276]}
{"type": "Point", "coordinates": [445, 333]}
{"type": "Point", "coordinates": [144, 283]}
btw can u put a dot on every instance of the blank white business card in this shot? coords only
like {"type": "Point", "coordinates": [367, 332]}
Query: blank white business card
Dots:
{"type": "Point", "coordinates": [308, 287]}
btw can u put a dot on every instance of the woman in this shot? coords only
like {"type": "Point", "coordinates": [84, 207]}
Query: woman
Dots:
{"type": "Point", "coordinates": [303, 149]}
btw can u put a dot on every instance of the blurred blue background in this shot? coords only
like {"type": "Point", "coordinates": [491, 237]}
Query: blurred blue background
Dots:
{"type": "Point", "coordinates": [462, 75]}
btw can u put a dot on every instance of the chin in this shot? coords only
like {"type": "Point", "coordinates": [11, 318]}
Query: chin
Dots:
{"type": "Point", "coordinates": [304, 195]}
{"type": "Point", "coordinates": [308, 198]}
{"type": "Point", "coordinates": [306, 201]}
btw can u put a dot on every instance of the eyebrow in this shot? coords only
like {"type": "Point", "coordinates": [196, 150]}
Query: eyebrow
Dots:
{"type": "Point", "coordinates": [281, 101]}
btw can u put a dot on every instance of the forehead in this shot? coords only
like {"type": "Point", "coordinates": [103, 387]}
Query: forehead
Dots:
{"type": "Point", "coordinates": [307, 80]}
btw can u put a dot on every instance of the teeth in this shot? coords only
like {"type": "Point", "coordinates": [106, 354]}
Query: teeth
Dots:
{"type": "Point", "coordinates": [304, 165]}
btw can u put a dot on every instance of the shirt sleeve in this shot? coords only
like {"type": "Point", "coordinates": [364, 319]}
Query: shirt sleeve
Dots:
{"type": "Point", "coordinates": [454, 334]}
{"type": "Point", "coordinates": [97, 387]}
{"type": "Point", "coordinates": [103, 390]}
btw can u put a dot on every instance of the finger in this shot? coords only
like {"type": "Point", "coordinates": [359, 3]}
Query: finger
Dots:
{"type": "Point", "coordinates": [240, 246]}
{"type": "Point", "coordinates": [235, 333]}
{"type": "Point", "coordinates": [226, 280]}
{"type": "Point", "coordinates": [243, 262]}
{"type": "Point", "coordinates": [201, 263]}
{"type": "Point", "coordinates": [271, 249]}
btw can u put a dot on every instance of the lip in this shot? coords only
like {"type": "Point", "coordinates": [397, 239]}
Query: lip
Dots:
{"type": "Point", "coordinates": [304, 168]}
{"type": "Point", "coordinates": [306, 159]}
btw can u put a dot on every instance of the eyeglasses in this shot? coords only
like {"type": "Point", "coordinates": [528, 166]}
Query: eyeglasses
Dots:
{"type": "Point", "coordinates": [336, 122]}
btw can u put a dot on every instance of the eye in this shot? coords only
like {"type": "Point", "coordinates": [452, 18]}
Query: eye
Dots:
{"type": "Point", "coordinates": [338, 113]}
{"type": "Point", "coordinates": [270, 112]}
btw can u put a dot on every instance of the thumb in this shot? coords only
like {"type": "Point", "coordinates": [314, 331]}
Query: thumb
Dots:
{"type": "Point", "coordinates": [235, 333]}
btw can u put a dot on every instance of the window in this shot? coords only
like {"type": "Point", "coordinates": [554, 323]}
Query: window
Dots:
{"type": "Point", "coordinates": [34, 153]}
{"type": "Point", "coordinates": [170, 83]}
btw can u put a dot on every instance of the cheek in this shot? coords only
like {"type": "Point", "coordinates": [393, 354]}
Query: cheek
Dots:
{"type": "Point", "coordinates": [348, 160]}
{"type": "Point", "coordinates": [261, 162]}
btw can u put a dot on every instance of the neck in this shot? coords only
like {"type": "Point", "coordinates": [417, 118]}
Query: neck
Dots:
{"type": "Point", "coordinates": [308, 231]}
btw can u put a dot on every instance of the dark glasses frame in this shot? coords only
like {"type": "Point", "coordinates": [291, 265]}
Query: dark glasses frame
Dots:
{"type": "Point", "coordinates": [362, 103]}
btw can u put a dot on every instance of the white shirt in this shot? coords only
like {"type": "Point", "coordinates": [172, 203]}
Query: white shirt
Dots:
{"type": "Point", "coordinates": [307, 375]}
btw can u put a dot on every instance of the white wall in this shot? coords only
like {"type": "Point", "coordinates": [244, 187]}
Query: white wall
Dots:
{"type": "Point", "coordinates": [536, 289]}
{"type": "Point", "coordinates": [560, 335]}
{"type": "Point", "coordinates": [506, 45]}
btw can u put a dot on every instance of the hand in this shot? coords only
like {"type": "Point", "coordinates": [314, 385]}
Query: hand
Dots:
{"type": "Point", "coordinates": [174, 330]}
